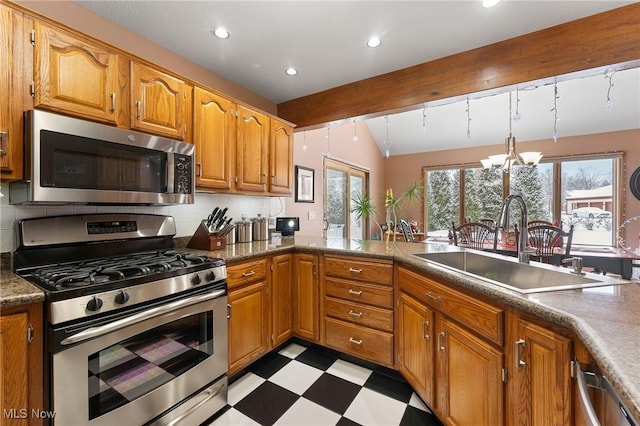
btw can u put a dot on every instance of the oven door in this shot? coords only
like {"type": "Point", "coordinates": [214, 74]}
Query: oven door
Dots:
{"type": "Point", "coordinates": [131, 369]}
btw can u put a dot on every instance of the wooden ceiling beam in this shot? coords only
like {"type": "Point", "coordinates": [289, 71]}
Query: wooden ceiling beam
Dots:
{"type": "Point", "coordinates": [608, 38]}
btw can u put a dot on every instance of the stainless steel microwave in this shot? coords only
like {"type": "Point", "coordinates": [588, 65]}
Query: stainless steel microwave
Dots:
{"type": "Point", "coordinates": [72, 161]}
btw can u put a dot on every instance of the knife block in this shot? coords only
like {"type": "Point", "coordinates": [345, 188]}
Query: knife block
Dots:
{"type": "Point", "coordinates": [202, 239]}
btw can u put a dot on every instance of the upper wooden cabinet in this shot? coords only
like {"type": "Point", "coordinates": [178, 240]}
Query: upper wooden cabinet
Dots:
{"type": "Point", "coordinates": [14, 93]}
{"type": "Point", "coordinates": [75, 75]}
{"type": "Point", "coordinates": [160, 103]}
{"type": "Point", "coordinates": [252, 146]}
{"type": "Point", "coordinates": [280, 158]}
{"type": "Point", "coordinates": [214, 137]}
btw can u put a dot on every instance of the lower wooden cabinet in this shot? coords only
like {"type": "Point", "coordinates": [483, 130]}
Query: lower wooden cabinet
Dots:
{"type": "Point", "coordinates": [468, 377]}
{"type": "Point", "coordinates": [414, 346]}
{"type": "Point", "coordinates": [281, 293]}
{"type": "Point", "coordinates": [249, 310]}
{"type": "Point", "coordinates": [21, 379]}
{"type": "Point", "coordinates": [248, 324]}
{"type": "Point", "coordinates": [455, 368]}
{"type": "Point", "coordinates": [540, 389]}
{"type": "Point", "coordinates": [306, 297]}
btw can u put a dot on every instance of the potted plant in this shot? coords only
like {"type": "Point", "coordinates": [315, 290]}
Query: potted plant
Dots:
{"type": "Point", "coordinates": [363, 207]}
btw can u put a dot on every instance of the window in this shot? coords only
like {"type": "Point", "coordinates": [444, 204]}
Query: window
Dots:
{"type": "Point", "coordinates": [343, 184]}
{"type": "Point", "coordinates": [579, 191]}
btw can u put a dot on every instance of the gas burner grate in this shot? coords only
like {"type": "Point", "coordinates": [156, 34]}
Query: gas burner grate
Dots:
{"type": "Point", "coordinates": [117, 268]}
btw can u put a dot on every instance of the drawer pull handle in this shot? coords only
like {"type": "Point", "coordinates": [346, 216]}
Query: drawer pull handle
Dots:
{"type": "Point", "coordinates": [355, 342]}
{"type": "Point", "coordinates": [248, 274]}
{"type": "Point", "coordinates": [355, 292]}
{"type": "Point", "coordinates": [436, 298]}
{"type": "Point", "coordinates": [138, 109]}
{"type": "Point", "coordinates": [355, 314]}
{"type": "Point", "coordinates": [355, 271]}
{"type": "Point", "coordinates": [113, 102]}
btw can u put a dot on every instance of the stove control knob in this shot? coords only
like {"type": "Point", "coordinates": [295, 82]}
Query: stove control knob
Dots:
{"type": "Point", "coordinates": [211, 276]}
{"type": "Point", "coordinates": [94, 304]}
{"type": "Point", "coordinates": [196, 279]}
{"type": "Point", "coordinates": [122, 297]}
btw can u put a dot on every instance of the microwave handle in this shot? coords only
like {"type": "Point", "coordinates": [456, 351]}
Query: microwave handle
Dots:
{"type": "Point", "coordinates": [142, 316]}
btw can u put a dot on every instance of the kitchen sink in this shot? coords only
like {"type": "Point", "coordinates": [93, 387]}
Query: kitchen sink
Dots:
{"type": "Point", "coordinates": [508, 272]}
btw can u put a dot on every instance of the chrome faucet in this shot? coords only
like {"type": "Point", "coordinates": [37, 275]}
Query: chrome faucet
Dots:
{"type": "Point", "coordinates": [523, 240]}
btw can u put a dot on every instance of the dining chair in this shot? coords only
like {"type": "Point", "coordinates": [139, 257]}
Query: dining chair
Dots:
{"type": "Point", "coordinates": [475, 235]}
{"type": "Point", "coordinates": [537, 222]}
{"type": "Point", "coordinates": [406, 231]}
{"type": "Point", "coordinates": [546, 239]}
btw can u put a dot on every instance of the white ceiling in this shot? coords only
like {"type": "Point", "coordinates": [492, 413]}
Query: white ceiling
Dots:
{"type": "Point", "coordinates": [326, 42]}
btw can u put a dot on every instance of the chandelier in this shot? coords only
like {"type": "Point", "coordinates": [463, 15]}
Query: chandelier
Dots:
{"type": "Point", "coordinates": [511, 157]}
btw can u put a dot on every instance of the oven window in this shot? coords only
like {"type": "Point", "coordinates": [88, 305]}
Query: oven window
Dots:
{"type": "Point", "coordinates": [136, 366]}
{"type": "Point", "coordinates": [69, 161]}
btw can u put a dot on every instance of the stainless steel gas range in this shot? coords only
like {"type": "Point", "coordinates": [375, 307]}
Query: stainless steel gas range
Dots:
{"type": "Point", "coordinates": [136, 332]}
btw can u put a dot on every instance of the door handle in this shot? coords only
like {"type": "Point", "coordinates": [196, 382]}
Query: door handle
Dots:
{"type": "Point", "coordinates": [518, 344]}
{"type": "Point", "coordinates": [425, 330]}
{"type": "Point", "coordinates": [113, 101]}
{"type": "Point", "coordinates": [3, 144]}
{"type": "Point", "coordinates": [138, 110]}
{"type": "Point", "coordinates": [441, 337]}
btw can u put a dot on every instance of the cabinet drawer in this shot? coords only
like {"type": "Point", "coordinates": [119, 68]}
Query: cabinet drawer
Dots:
{"type": "Point", "coordinates": [359, 292]}
{"type": "Point", "coordinates": [363, 342]}
{"type": "Point", "coordinates": [359, 269]}
{"type": "Point", "coordinates": [246, 272]}
{"type": "Point", "coordinates": [370, 316]}
{"type": "Point", "coordinates": [481, 317]}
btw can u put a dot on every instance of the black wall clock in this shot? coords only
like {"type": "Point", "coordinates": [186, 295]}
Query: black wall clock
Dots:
{"type": "Point", "coordinates": [634, 183]}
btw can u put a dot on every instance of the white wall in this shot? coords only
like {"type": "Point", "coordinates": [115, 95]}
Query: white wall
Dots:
{"type": "Point", "coordinates": [187, 217]}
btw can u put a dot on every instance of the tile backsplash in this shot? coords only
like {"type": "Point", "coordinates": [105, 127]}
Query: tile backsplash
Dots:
{"type": "Point", "coordinates": [187, 216]}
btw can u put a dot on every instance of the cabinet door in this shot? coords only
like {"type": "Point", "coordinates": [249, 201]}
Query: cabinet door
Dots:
{"type": "Point", "coordinates": [281, 309]}
{"type": "Point", "coordinates": [469, 377]}
{"type": "Point", "coordinates": [542, 377]}
{"type": "Point", "coordinates": [21, 363]}
{"type": "Point", "coordinates": [281, 158]}
{"type": "Point", "coordinates": [248, 324]}
{"type": "Point", "coordinates": [306, 297]}
{"type": "Point", "coordinates": [252, 144]}
{"type": "Point", "coordinates": [76, 75]}
{"type": "Point", "coordinates": [13, 86]}
{"type": "Point", "coordinates": [415, 346]}
{"type": "Point", "coordinates": [214, 136]}
{"type": "Point", "coordinates": [161, 104]}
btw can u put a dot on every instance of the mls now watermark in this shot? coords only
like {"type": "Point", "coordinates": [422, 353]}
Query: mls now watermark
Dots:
{"type": "Point", "coordinates": [23, 413]}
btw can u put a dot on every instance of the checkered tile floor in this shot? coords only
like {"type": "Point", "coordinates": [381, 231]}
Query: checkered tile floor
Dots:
{"type": "Point", "coordinates": [302, 386]}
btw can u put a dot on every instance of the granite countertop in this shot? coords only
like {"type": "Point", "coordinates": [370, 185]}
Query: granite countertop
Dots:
{"type": "Point", "coordinates": [606, 319]}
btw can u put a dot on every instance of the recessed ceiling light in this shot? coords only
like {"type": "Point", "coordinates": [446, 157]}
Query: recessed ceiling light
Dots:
{"type": "Point", "coordinates": [374, 42]}
{"type": "Point", "coordinates": [489, 3]}
{"type": "Point", "coordinates": [291, 71]}
{"type": "Point", "coordinates": [221, 33]}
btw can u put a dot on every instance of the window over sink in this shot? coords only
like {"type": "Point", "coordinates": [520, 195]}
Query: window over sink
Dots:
{"type": "Point", "coordinates": [583, 191]}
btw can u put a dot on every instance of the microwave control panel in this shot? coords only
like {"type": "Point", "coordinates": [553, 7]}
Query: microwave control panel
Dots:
{"type": "Point", "coordinates": [183, 174]}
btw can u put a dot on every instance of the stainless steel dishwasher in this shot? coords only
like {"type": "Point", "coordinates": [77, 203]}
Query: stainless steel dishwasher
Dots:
{"type": "Point", "coordinates": [596, 391]}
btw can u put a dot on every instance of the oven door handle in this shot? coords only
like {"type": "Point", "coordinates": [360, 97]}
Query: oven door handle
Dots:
{"type": "Point", "coordinates": [139, 317]}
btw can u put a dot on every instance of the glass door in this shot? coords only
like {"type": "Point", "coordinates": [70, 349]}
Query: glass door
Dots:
{"type": "Point", "coordinates": [344, 184]}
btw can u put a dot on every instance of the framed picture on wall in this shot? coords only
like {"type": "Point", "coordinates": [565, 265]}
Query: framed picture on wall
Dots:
{"type": "Point", "coordinates": [304, 184]}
